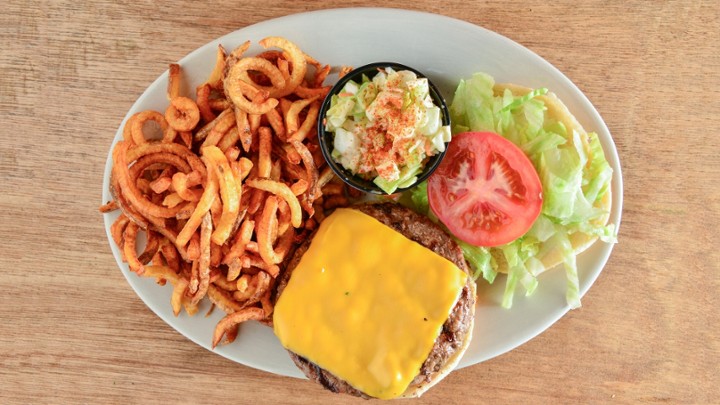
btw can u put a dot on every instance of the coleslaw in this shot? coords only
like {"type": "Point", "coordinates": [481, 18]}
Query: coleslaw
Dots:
{"type": "Point", "coordinates": [386, 127]}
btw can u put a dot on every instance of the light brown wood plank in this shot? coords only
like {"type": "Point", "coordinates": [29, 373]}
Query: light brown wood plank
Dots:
{"type": "Point", "coordinates": [73, 331]}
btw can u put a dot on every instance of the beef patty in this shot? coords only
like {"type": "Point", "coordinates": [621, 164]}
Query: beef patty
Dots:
{"type": "Point", "coordinates": [423, 231]}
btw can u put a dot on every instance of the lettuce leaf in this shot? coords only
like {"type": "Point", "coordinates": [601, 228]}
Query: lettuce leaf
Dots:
{"type": "Point", "coordinates": [419, 199]}
{"type": "Point", "coordinates": [480, 261]}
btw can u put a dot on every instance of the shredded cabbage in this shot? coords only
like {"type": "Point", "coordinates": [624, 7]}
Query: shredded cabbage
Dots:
{"type": "Point", "coordinates": [574, 180]}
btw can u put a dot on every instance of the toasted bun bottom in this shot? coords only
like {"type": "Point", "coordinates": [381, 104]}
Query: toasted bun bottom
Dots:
{"type": "Point", "coordinates": [415, 391]}
{"type": "Point", "coordinates": [558, 111]}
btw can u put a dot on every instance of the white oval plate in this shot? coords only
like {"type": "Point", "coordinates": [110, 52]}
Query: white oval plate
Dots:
{"type": "Point", "coordinates": [446, 50]}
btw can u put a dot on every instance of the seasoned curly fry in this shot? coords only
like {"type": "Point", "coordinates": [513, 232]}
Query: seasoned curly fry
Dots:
{"type": "Point", "coordinates": [173, 88]}
{"type": "Point", "coordinates": [293, 116]}
{"type": "Point", "coordinates": [182, 114]}
{"type": "Point", "coordinates": [239, 90]}
{"type": "Point", "coordinates": [130, 248]}
{"type": "Point", "coordinates": [235, 318]}
{"type": "Point", "coordinates": [229, 194]}
{"type": "Point", "coordinates": [177, 295]}
{"type": "Point", "coordinates": [215, 79]}
{"type": "Point", "coordinates": [203, 102]}
{"type": "Point", "coordinates": [203, 207]}
{"type": "Point", "coordinates": [204, 262]}
{"type": "Point", "coordinates": [297, 59]}
{"type": "Point", "coordinates": [283, 191]}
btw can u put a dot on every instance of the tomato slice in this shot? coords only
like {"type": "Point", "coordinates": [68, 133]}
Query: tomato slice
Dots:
{"type": "Point", "coordinates": [486, 191]}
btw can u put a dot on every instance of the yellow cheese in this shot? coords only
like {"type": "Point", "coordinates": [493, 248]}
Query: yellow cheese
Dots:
{"type": "Point", "coordinates": [366, 303]}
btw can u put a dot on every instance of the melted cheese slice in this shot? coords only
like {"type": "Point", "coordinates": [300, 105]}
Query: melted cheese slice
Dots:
{"type": "Point", "coordinates": [366, 303]}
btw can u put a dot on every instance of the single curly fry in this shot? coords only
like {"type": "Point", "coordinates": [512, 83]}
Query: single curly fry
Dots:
{"type": "Point", "coordinates": [238, 90]}
{"type": "Point", "coordinates": [295, 56]}
{"type": "Point", "coordinates": [182, 114]}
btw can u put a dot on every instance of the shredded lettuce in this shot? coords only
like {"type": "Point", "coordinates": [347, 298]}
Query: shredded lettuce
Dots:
{"type": "Point", "coordinates": [480, 260]}
{"type": "Point", "coordinates": [574, 179]}
{"type": "Point", "coordinates": [419, 199]}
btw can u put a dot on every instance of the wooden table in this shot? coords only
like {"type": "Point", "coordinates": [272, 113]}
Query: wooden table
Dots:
{"type": "Point", "coordinates": [73, 331]}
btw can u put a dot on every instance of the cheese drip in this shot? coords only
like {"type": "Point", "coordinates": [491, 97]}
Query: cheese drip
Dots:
{"type": "Point", "coordinates": [366, 303]}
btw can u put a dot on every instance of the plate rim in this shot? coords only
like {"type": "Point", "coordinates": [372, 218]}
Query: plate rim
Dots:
{"type": "Point", "coordinates": [611, 155]}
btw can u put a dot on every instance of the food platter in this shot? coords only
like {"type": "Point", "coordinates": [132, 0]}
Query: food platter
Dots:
{"type": "Point", "coordinates": [448, 52]}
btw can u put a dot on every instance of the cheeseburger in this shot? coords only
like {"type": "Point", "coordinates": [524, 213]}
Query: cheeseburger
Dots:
{"type": "Point", "coordinates": [377, 304]}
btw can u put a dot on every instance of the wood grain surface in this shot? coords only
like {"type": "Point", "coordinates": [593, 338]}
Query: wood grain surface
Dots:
{"type": "Point", "coordinates": [73, 331]}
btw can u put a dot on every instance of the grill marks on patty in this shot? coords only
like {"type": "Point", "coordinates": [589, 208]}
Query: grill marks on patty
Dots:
{"type": "Point", "coordinates": [423, 231]}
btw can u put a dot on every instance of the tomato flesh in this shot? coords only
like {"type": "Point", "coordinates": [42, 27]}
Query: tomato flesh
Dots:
{"type": "Point", "coordinates": [486, 191]}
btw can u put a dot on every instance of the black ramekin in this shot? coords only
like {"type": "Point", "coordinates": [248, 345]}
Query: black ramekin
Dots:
{"type": "Point", "coordinates": [327, 138]}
